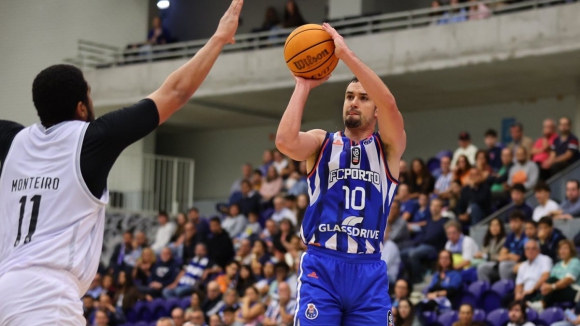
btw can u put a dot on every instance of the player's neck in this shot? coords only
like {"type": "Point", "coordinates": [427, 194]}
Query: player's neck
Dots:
{"type": "Point", "coordinates": [358, 134]}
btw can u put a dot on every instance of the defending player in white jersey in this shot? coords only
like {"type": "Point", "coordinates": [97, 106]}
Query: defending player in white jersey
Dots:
{"type": "Point", "coordinates": [53, 183]}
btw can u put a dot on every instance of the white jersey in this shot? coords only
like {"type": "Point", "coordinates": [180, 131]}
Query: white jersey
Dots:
{"type": "Point", "coordinates": [48, 217]}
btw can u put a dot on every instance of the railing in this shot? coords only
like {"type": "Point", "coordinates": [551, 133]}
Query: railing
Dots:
{"type": "Point", "coordinates": [94, 55]}
{"type": "Point", "coordinates": [150, 183]}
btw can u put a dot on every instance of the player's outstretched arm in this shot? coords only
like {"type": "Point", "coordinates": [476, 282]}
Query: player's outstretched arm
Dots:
{"type": "Point", "coordinates": [182, 83]}
{"type": "Point", "coordinates": [299, 146]}
{"type": "Point", "coordinates": [391, 123]}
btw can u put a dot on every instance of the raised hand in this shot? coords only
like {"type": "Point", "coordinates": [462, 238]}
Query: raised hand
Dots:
{"type": "Point", "coordinates": [310, 83]}
{"type": "Point", "coordinates": [340, 45]}
{"type": "Point", "coordinates": [229, 22]}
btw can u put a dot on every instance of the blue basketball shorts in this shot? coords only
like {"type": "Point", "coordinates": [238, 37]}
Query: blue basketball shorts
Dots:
{"type": "Point", "coordinates": [336, 288]}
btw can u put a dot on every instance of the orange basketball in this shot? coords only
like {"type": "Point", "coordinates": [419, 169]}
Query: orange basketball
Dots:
{"type": "Point", "coordinates": [309, 52]}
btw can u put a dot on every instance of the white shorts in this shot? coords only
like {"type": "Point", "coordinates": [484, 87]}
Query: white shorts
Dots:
{"type": "Point", "coordinates": [40, 296]}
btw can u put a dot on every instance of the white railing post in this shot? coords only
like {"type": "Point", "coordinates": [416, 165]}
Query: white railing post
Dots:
{"type": "Point", "coordinates": [174, 202]}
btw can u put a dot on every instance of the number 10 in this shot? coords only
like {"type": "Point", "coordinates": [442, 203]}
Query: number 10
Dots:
{"type": "Point", "coordinates": [351, 197]}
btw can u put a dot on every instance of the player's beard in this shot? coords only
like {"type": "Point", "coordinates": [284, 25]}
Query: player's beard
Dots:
{"type": "Point", "coordinates": [90, 115]}
{"type": "Point", "coordinates": [351, 122]}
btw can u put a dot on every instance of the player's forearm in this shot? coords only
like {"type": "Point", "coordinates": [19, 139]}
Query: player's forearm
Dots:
{"type": "Point", "coordinates": [183, 82]}
{"type": "Point", "coordinates": [289, 128]}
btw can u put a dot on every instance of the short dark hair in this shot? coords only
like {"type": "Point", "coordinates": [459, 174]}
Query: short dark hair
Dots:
{"type": "Point", "coordinates": [574, 181]}
{"type": "Point", "coordinates": [518, 125]}
{"type": "Point", "coordinates": [56, 92]}
{"type": "Point", "coordinates": [163, 213]}
{"type": "Point", "coordinates": [534, 223]}
{"type": "Point", "coordinates": [519, 187]}
{"type": "Point", "coordinates": [193, 209]}
{"type": "Point", "coordinates": [546, 220]}
{"type": "Point", "coordinates": [522, 308]}
{"type": "Point", "coordinates": [541, 186]}
{"type": "Point", "coordinates": [517, 214]}
{"type": "Point", "coordinates": [246, 182]}
{"type": "Point", "coordinates": [282, 265]}
{"type": "Point", "coordinates": [354, 80]}
{"type": "Point", "coordinates": [231, 309]}
{"type": "Point", "coordinates": [491, 133]}
{"type": "Point", "coordinates": [259, 172]}
{"type": "Point", "coordinates": [467, 305]}
{"type": "Point", "coordinates": [216, 219]}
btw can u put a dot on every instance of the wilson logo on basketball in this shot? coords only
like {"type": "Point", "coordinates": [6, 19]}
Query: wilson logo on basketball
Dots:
{"type": "Point", "coordinates": [310, 60]}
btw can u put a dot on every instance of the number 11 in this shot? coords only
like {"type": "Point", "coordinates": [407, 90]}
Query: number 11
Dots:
{"type": "Point", "coordinates": [33, 218]}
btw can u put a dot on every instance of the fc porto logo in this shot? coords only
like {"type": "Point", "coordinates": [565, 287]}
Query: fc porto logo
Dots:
{"type": "Point", "coordinates": [390, 320]}
{"type": "Point", "coordinates": [311, 311]}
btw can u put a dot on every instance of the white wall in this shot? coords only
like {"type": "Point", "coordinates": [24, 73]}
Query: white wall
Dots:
{"type": "Point", "coordinates": [432, 131]}
{"type": "Point", "coordinates": [36, 34]}
{"type": "Point", "coordinates": [220, 154]}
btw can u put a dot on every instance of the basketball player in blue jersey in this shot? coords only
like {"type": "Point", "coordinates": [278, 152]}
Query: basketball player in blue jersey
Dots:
{"type": "Point", "coordinates": [351, 183]}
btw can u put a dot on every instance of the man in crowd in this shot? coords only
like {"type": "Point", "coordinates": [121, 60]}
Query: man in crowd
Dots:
{"type": "Point", "coordinates": [123, 250]}
{"type": "Point", "coordinates": [178, 316]}
{"type": "Point", "coordinates": [427, 244]}
{"type": "Point", "coordinates": [564, 149]}
{"type": "Point", "coordinates": [511, 254]}
{"type": "Point", "coordinates": [517, 314]}
{"type": "Point", "coordinates": [195, 271]}
{"type": "Point", "coordinates": [246, 174]}
{"type": "Point", "coordinates": [163, 273]}
{"type": "Point", "coordinates": [281, 311]}
{"type": "Point", "coordinates": [229, 317]}
{"type": "Point", "coordinates": [164, 232]}
{"type": "Point", "coordinates": [517, 194]}
{"type": "Point", "coordinates": [201, 224]}
{"type": "Point", "coordinates": [249, 200]}
{"type": "Point", "coordinates": [95, 288]}
{"type": "Point", "coordinates": [392, 257]}
{"type": "Point", "coordinates": [543, 146]}
{"type": "Point", "coordinates": [165, 321]}
{"type": "Point", "coordinates": [221, 247]}
{"type": "Point", "coordinates": [408, 205]}
{"type": "Point", "coordinates": [463, 247]}
{"type": "Point", "coordinates": [549, 238]}
{"type": "Point", "coordinates": [465, 315]}
{"type": "Point", "coordinates": [213, 302]}
{"type": "Point", "coordinates": [475, 200]}
{"type": "Point", "coordinates": [397, 226]}
{"type": "Point", "coordinates": [519, 139]}
{"type": "Point", "coordinates": [281, 211]}
{"type": "Point", "coordinates": [545, 205]}
{"type": "Point", "coordinates": [493, 149]}
{"type": "Point", "coordinates": [524, 171]}
{"type": "Point", "coordinates": [532, 273]}
{"type": "Point", "coordinates": [101, 318]}
{"type": "Point", "coordinates": [570, 208]}
{"type": "Point", "coordinates": [443, 183]}
{"type": "Point", "coordinates": [465, 148]}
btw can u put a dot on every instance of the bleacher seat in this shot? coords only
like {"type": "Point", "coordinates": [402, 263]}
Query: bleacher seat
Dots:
{"type": "Point", "coordinates": [550, 316]}
{"type": "Point", "coordinates": [153, 323]}
{"type": "Point", "coordinates": [474, 292]}
{"type": "Point", "coordinates": [170, 304]}
{"type": "Point", "coordinates": [491, 299]}
{"type": "Point", "coordinates": [143, 312]}
{"type": "Point", "coordinates": [531, 315]}
{"type": "Point", "coordinates": [447, 318]}
{"type": "Point", "coordinates": [479, 315]}
{"type": "Point", "coordinates": [498, 317]}
{"type": "Point", "coordinates": [157, 307]}
{"type": "Point", "coordinates": [141, 323]}
{"type": "Point", "coordinates": [429, 317]}
{"type": "Point", "coordinates": [185, 302]}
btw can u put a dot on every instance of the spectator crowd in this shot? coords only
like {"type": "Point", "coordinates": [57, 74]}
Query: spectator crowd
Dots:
{"type": "Point", "coordinates": [240, 267]}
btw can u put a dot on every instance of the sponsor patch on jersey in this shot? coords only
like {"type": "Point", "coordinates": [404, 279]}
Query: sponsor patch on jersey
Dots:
{"type": "Point", "coordinates": [311, 311]}
{"type": "Point", "coordinates": [367, 141]}
{"type": "Point", "coordinates": [390, 320]}
{"type": "Point", "coordinates": [355, 155]}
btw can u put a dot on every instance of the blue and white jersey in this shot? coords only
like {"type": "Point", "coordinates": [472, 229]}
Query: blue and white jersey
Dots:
{"type": "Point", "coordinates": [351, 191]}
{"type": "Point", "coordinates": [194, 270]}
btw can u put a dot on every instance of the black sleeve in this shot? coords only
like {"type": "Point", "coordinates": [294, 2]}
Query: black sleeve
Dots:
{"type": "Point", "coordinates": [109, 135]}
{"type": "Point", "coordinates": [8, 131]}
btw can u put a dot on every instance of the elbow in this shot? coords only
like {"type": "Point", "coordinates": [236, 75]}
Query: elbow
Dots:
{"type": "Point", "coordinates": [281, 143]}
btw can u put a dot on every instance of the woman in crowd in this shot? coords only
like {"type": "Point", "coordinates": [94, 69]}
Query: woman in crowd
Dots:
{"type": "Point", "coordinates": [482, 163]}
{"type": "Point", "coordinates": [421, 180]}
{"type": "Point", "coordinates": [128, 295]}
{"type": "Point", "coordinates": [142, 270]}
{"type": "Point", "coordinates": [271, 184]}
{"type": "Point", "coordinates": [564, 282]}
{"type": "Point", "coordinates": [180, 229]}
{"type": "Point", "coordinates": [260, 251]}
{"type": "Point", "coordinates": [445, 285]}
{"type": "Point", "coordinates": [282, 239]}
{"type": "Point", "coordinates": [195, 302]}
{"type": "Point", "coordinates": [402, 291]}
{"type": "Point", "coordinates": [301, 206]}
{"type": "Point", "coordinates": [268, 277]}
{"type": "Point", "coordinates": [454, 195]}
{"type": "Point", "coordinates": [405, 314]}
{"type": "Point", "coordinates": [461, 172]}
{"type": "Point", "coordinates": [271, 21]}
{"type": "Point", "coordinates": [245, 280]}
{"type": "Point", "coordinates": [251, 312]}
{"type": "Point", "coordinates": [492, 242]}
{"type": "Point", "coordinates": [292, 15]}
{"type": "Point", "coordinates": [108, 285]}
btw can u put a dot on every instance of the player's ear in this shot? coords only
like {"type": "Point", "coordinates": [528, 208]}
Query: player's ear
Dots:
{"type": "Point", "coordinates": [81, 112]}
{"type": "Point", "coordinates": [376, 112]}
